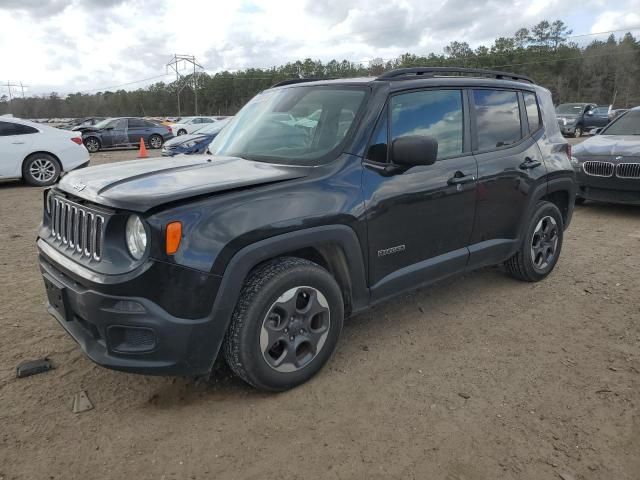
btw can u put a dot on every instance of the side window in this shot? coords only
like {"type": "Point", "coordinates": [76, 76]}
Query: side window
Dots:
{"type": "Point", "coordinates": [8, 128]}
{"type": "Point", "coordinates": [378, 148]}
{"type": "Point", "coordinates": [206, 120]}
{"type": "Point", "coordinates": [497, 118]}
{"type": "Point", "coordinates": [149, 124]}
{"type": "Point", "coordinates": [434, 113]}
{"type": "Point", "coordinates": [136, 123]}
{"type": "Point", "coordinates": [533, 112]}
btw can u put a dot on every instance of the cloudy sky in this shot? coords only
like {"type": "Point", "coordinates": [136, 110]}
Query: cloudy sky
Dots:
{"type": "Point", "coordinates": [88, 45]}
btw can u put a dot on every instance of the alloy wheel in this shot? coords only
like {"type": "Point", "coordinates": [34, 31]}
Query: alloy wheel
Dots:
{"type": "Point", "coordinates": [295, 329]}
{"type": "Point", "coordinates": [42, 169]}
{"type": "Point", "coordinates": [155, 141]}
{"type": "Point", "coordinates": [544, 243]}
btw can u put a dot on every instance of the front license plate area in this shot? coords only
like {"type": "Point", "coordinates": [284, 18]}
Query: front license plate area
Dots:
{"type": "Point", "coordinates": [57, 296]}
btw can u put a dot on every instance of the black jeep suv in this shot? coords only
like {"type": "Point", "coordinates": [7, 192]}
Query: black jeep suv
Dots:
{"type": "Point", "coordinates": [319, 199]}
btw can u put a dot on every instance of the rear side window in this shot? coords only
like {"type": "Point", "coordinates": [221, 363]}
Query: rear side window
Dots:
{"type": "Point", "coordinates": [8, 128]}
{"type": "Point", "coordinates": [136, 123]}
{"type": "Point", "coordinates": [434, 113]}
{"type": "Point", "coordinates": [533, 113]}
{"type": "Point", "coordinates": [497, 118]}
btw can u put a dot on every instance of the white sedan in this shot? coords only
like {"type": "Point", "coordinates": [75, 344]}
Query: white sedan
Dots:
{"type": "Point", "coordinates": [37, 153]}
{"type": "Point", "coordinates": [190, 124]}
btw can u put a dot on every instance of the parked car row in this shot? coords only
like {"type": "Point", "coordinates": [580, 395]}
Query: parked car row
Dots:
{"type": "Point", "coordinates": [577, 119]}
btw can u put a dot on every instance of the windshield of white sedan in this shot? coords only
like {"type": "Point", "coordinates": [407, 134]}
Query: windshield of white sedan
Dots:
{"type": "Point", "coordinates": [296, 125]}
{"type": "Point", "coordinates": [628, 124]}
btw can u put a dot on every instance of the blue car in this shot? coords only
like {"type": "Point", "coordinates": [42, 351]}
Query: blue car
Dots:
{"type": "Point", "coordinates": [196, 142]}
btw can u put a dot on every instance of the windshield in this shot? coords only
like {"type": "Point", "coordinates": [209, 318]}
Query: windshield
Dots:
{"type": "Point", "coordinates": [210, 128]}
{"type": "Point", "coordinates": [103, 123]}
{"type": "Point", "coordinates": [570, 108]}
{"type": "Point", "coordinates": [626, 124]}
{"type": "Point", "coordinates": [284, 126]}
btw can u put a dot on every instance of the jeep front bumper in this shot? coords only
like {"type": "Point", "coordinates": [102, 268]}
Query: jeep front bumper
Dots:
{"type": "Point", "coordinates": [131, 332]}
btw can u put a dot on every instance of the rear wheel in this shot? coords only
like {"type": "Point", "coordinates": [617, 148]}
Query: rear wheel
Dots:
{"type": "Point", "coordinates": [155, 141]}
{"type": "Point", "coordinates": [578, 132]}
{"type": "Point", "coordinates": [541, 245]}
{"type": "Point", "coordinates": [286, 324]}
{"type": "Point", "coordinates": [41, 170]}
{"type": "Point", "coordinates": [92, 144]}
{"type": "Point", "coordinates": [182, 131]}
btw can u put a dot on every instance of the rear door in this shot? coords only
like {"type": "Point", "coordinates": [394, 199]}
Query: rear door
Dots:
{"type": "Point", "coordinates": [510, 166]}
{"type": "Point", "coordinates": [138, 128]}
{"type": "Point", "coordinates": [419, 219]}
{"type": "Point", "coordinates": [15, 141]}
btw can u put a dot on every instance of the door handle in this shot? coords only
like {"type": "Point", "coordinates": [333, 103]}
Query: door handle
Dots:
{"type": "Point", "coordinates": [529, 163]}
{"type": "Point", "coordinates": [17, 143]}
{"type": "Point", "coordinates": [459, 178]}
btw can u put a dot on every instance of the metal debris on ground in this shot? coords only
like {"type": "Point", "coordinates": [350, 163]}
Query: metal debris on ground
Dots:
{"type": "Point", "coordinates": [33, 367]}
{"type": "Point", "coordinates": [81, 403]}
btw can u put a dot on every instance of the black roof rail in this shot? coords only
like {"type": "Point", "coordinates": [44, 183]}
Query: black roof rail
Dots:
{"type": "Point", "coordinates": [403, 73]}
{"type": "Point", "coordinates": [292, 81]}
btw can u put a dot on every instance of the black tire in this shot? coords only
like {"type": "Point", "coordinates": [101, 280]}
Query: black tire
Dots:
{"type": "Point", "coordinates": [580, 200]}
{"type": "Point", "coordinates": [578, 132]}
{"type": "Point", "coordinates": [41, 170]}
{"type": "Point", "coordinates": [259, 299]}
{"type": "Point", "coordinates": [182, 131]}
{"type": "Point", "coordinates": [522, 265]}
{"type": "Point", "coordinates": [92, 144]}
{"type": "Point", "coordinates": [156, 141]}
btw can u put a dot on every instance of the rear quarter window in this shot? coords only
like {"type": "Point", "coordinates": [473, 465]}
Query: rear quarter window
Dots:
{"type": "Point", "coordinates": [533, 111]}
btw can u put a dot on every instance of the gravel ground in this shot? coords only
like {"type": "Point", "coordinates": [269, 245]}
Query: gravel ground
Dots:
{"type": "Point", "coordinates": [478, 377]}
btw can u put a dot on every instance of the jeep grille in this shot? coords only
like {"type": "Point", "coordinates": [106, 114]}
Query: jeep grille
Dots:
{"type": "Point", "coordinates": [76, 228]}
{"type": "Point", "coordinates": [598, 169]}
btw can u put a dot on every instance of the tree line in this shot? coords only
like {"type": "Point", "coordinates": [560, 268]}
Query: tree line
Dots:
{"type": "Point", "coordinates": [604, 72]}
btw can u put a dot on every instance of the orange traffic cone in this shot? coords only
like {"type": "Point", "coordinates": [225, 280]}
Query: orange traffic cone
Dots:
{"type": "Point", "coordinates": [143, 149]}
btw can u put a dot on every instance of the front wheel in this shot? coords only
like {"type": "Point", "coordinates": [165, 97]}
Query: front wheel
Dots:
{"type": "Point", "coordinates": [182, 131]}
{"type": "Point", "coordinates": [578, 132]}
{"type": "Point", "coordinates": [41, 170]}
{"type": "Point", "coordinates": [286, 324]}
{"type": "Point", "coordinates": [92, 144]}
{"type": "Point", "coordinates": [541, 245]}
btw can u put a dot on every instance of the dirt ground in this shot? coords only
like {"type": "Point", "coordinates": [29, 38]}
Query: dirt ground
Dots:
{"type": "Point", "coordinates": [480, 377]}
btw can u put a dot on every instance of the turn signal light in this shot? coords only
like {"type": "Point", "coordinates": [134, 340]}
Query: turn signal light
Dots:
{"type": "Point", "coordinates": [173, 237]}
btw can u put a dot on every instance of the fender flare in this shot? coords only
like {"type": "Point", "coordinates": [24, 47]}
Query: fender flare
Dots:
{"type": "Point", "coordinates": [250, 256]}
{"type": "Point", "coordinates": [560, 184]}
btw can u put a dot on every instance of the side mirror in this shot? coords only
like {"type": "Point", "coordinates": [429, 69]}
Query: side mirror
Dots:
{"type": "Point", "coordinates": [414, 150]}
{"type": "Point", "coordinates": [590, 112]}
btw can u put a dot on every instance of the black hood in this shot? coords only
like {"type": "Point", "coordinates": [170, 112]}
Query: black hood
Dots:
{"type": "Point", "coordinates": [139, 185]}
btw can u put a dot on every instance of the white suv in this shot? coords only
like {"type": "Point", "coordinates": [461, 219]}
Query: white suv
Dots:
{"type": "Point", "coordinates": [38, 153]}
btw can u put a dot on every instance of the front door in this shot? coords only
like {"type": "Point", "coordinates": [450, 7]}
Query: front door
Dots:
{"type": "Point", "coordinates": [115, 133]}
{"type": "Point", "coordinates": [419, 219]}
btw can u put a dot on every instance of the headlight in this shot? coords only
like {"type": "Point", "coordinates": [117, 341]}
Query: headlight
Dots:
{"type": "Point", "coordinates": [189, 144]}
{"type": "Point", "coordinates": [136, 237]}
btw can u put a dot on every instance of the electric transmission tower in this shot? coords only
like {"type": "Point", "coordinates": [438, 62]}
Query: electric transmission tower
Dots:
{"type": "Point", "coordinates": [181, 80]}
